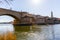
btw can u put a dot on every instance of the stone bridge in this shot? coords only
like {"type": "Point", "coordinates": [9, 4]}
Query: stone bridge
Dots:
{"type": "Point", "coordinates": [20, 17]}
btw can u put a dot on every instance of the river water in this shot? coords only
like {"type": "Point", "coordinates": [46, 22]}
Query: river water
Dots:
{"type": "Point", "coordinates": [35, 32]}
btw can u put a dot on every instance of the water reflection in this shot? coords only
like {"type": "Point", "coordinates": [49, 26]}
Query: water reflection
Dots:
{"type": "Point", "coordinates": [36, 33]}
{"type": "Point", "coordinates": [7, 32]}
{"type": "Point", "coordinates": [4, 28]}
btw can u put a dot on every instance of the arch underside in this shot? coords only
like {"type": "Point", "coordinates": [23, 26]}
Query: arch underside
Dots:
{"type": "Point", "coordinates": [16, 20]}
{"type": "Point", "coordinates": [11, 16]}
{"type": "Point", "coordinates": [11, 13]}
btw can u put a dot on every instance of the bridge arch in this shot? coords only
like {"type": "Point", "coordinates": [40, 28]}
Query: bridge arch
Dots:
{"type": "Point", "coordinates": [14, 14]}
{"type": "Point", "coordinates": [15, 20]}
{"type": "Point", "coordinates": [11, 16]}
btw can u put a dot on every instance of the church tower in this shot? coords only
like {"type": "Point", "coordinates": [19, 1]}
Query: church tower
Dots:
{"type": "Point", "coordinates": [51, 14]}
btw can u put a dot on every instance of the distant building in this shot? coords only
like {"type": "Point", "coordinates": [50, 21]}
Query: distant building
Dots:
{"type": "Point", "coordinates": [39, 19]}
{"type": "Point", "coordinates": [50, 20]}
{"type": "Point", "coordinates": [51, 14]}
{"type": "Point", "coordinates": [27, 18]}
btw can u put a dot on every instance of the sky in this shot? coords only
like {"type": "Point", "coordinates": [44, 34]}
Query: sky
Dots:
{"type": "Point", "coordinates": [36, 7]}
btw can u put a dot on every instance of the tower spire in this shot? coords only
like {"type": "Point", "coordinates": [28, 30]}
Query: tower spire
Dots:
{"type": "Point", "coordinates": [51, 14]}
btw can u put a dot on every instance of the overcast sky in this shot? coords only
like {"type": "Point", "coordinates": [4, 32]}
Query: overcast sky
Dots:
{"type": "Point", "coordinates": [38, 7]}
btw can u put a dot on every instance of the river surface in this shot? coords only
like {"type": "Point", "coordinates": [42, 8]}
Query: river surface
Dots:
{"type": "Point", "coordinates": [35, 32]}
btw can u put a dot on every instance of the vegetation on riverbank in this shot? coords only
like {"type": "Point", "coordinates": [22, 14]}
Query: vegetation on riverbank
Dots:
{"type": "Point", "coordinates": [8, 36]}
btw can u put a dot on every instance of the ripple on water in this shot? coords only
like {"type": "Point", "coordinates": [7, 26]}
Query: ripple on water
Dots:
{"type": "Point", "coordinates": [31, 36]}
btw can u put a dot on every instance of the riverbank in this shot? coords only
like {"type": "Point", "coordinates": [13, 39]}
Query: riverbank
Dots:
{"type": "Point", "coordinates": [8, 36]}
{"type": "Point", "coordinates": [35, 24]}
